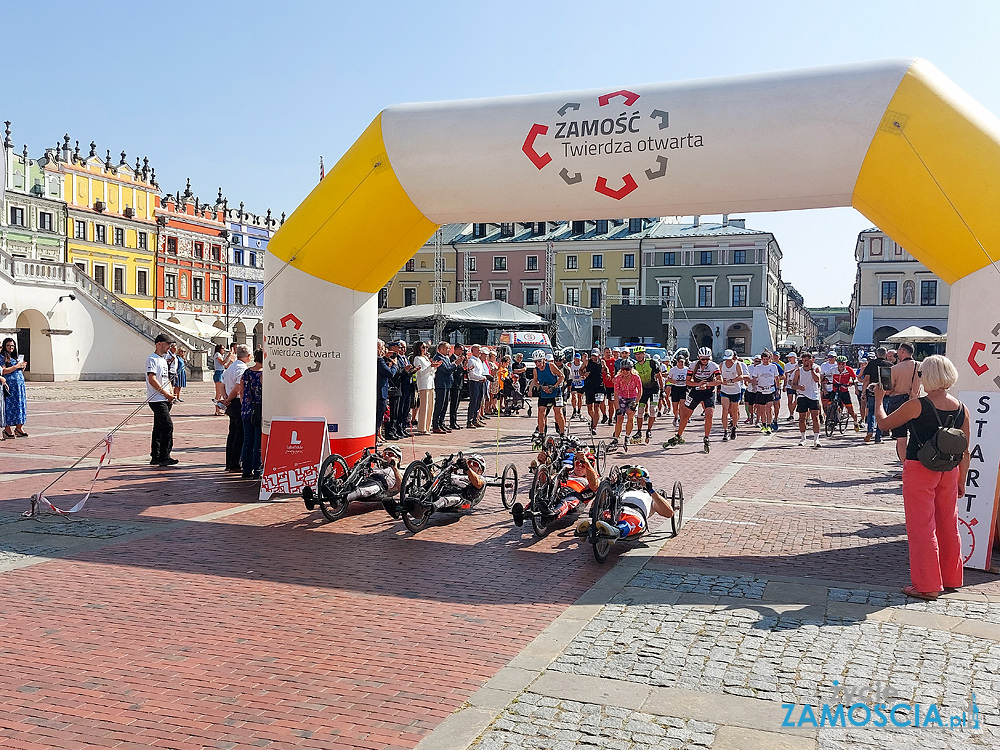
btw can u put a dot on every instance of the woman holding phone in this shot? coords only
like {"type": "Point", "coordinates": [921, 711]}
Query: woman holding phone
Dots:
{"type": "Point", "coordinates": [12, 366]}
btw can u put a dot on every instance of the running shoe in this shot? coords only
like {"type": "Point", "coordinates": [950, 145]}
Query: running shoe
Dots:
{"type": "Point", "coordinates": [725, 435]}
{"type": "Point", "coordinates": [607, 531]}
{"type": "Point", "coordinates": [732, 433]}
{"type": "Point", "coordinates": [857, 427]}
{"type": "Point", "coordinates": [593, 430]}
{"type": "Point", "coordinates": [802, 440]}
{"type": "Point", "coordinates": [649, 434]}
{"type": "Point", "coordinates": [816, 442]}
{"type": "Point", "coordinates": [763, 430]}
{"type": "Point", "coordinates": [706, 448]}
{"type": "Point", "coordinates": [774, 425]}
{"type": "Point", "coordinates": [583, 527]}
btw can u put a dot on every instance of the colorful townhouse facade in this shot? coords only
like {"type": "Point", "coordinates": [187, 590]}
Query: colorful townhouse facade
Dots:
{"type": "Point", "coordinates": [192, 249]}
{"type": "Point", "coordinates": [33, 217]}
{"type": "Point", "coordinates": [414, 284]}
{"type": "Point", "coordinates": [249, 234]}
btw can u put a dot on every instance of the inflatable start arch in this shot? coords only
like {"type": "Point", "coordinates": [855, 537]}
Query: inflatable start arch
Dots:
{"type": "Point", "coordinates": [895, 139]}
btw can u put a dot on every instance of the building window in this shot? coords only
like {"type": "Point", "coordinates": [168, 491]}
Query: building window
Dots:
{"type": "Point", "coordinates": [172, 245]}
{"type": "Point", "coordinates": [198, 288]}
{"type": "Point", "coordinates": [665, 291]}
{"type": "Point", "coordinates": [141, 284]}
{"type": "Point", "coordinates": [739, 256]}
{"type": "Point", "coordinates": [409, 297]}
{"type": "Point", "coordinates": [79, 229]}
{"type": "Point", "coordinates": [170, 285]}
{"type": "Point", "coordinates": [238, 294]}
{"type": "Point", "coordinates": [100, 233]}
{"type": "Point", "coordinates": [602, 226]}
{"type": "Point", "coordinates": [739, 295]}
{"type": "Point", "coordinates": [597, 261]}
{"type": "Point", "coordinates": [595, 297]}
{"type": "Point", "coordinates": [573, 297]}
{"type": "Point", "coordinates": [499, 262]}
{"type": "Point", "coordinates": [478, 230]}
{"type": "Point", "coordinates": [928, 292]}
{"type": "Point", "coordinates": [217, 252]}
{"type": "Point", "coordinates": [16, 216]}
{"type": "Point", "coordinates": [571, 263]}
{"type": "Point", "coordinates": [81, 264]}
{"type": "Point", "coordinates": [507, 229]}
{"type": "Point", "coordinates": [252, 295]}
{"type": "Point", "coordinates": [383, 297]}
{"type": "Point", "coordinates": [237, 256]}
{"type": "Point", "coordinates": [143, 240]}
{"type": "Point", "coordinates": [500, 293]}
{"type": "Point", "coordinates": [532, 263]}
{"type": "Point", "coordinates": [531, 296]}
{"type": "Point", "coordinates": [216, 288]}
{"type": "Point", "coordinates": [579, 227]}
{"type": "Point", "coordinates": [704, 295]}
{"type": "Point", "coordinates": [253, 259]}
{"type": "Point", "coordinates": [888, 292]}
{"type": "Point", "coordinates": [119, 236]}
{"type": "Point", "coordinates": [101, 274]}
{"type": "Point", "coordinates": [474, 294]}
{"type": "Point", "coordinates": [538, 228]}
{"type": "Point", "coordinates": [628, 260]}
{"type": "Point", "coordinates": [875, 246]}
{"type": "Point", "coordinates": [627, 294]}
{"type": "Point", "coordinates": [411, 265]}
{"type": "Point", "coordinates": [472, 262]}
{"type": "Point", "coordinates": [45, 221]}
{"type": "Point", "coordinates": [199, 250]}
{"type": "Point", "coordinates": [237, 239]}
{"type": "Point", "coordinates": [634, 225]}
{"type": "Point", "coordinates": [119, 280]}
{"type": "Point", "coordinates": [670, 259]}
{"type": "Point", "coordinates": [705, 258]}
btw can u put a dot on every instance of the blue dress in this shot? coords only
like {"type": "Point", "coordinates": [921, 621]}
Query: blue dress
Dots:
{"type": "Point", "coordinates": [182, 373]}
{"type": "Point", "coordinates": [16, 404]}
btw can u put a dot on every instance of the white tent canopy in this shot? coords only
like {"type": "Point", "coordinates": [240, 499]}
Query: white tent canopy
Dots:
{"type": "Point", "coordinates": [486, 313]}
{"type": "Point", "coordinates": [917, 335]}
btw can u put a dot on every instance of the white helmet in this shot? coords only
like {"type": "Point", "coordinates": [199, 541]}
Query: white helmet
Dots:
{"type": "Point", "coordinates": [392, 451]}
{"type": "Point", "coordinates": [476, 462]}
{"type": "Point", "coordinates": [538, 354]}
{"type": "Point", "coordinates": [704, 352]}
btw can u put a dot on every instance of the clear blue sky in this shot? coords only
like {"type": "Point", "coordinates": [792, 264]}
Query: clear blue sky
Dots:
{"type": "Point", "coordinates": [247, 95]}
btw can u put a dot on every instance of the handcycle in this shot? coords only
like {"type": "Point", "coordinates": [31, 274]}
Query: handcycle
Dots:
{"type": "Point", "coordinates": [428, 488]}
{"type": "Point", "coordinates": [336, 481]}
{"type": "Point", "coordinates": [557, 447]}
{"type": "Point", "coordinates": [607, 506]}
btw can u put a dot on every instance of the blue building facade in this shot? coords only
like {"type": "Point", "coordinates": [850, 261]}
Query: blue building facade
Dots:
{"type": "Point", "coordinates": [248, 234]}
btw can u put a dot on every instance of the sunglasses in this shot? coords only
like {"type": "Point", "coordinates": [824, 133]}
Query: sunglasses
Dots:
{"type": "Point", "coordinates": [703, 359]}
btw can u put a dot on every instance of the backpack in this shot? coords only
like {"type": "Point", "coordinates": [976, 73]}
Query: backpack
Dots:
{"type": "Point", "coordinates": [946, 447]}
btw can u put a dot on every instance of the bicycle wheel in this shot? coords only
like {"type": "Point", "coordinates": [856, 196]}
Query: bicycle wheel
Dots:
{"type": "Point", "coordinates": [413, 496]}
{"type": "Point", "coordinates": [538, 498]}
{"type": "Point", "coordinates": [614, 474]}
{"type": "Point", "coordinates": [331, 499]}
{"type": "Point", "coordinates": [601, 456]}
{"type": "Point", "coordinates": [677, 503]}
{"type": "Point", "coordinates": [831, 421]}
{"type": "Point", "coordinates": [508, 485]}
{"type": "Point", "coordinates": [843, 421]}
{"type": "Point", "coordinates": [601, 510]}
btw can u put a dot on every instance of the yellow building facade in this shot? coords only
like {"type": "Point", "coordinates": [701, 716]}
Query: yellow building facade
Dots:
{"type": "Point", "coordinates": [111, 227]}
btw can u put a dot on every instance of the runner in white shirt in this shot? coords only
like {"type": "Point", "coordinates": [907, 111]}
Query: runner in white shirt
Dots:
{"type": "Point", "coordinates": [806, 381]}
{"type": "Point", "coordinates": [792, 363]}
{"type": "Point", "coordinates": [734, 375]}
{"type": "Point", "coordinates": [703, 378]}
{"type": "Point", "coordinates": [677, 377]}
{"type": "Point", "coordinates": [750, 398]}
{"type": "Point", "coordinates": [766, 377]}
{"type": "Point", "coordinates": [576, 384]}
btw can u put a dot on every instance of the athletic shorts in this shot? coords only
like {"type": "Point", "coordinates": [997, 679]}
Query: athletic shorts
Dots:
{"type": "Point", "coordinates": [706, 397]}
{"type": "Point", "coordinates": [792, 391]}
{"type": "Point", "coordinates": [733, 398]}
{"type": "Point", "coordinates": [678, 392]}
{"type": "Point", "coordinates": [624, 405]}
{"type": "Point", "coordinates": [648, 394]}
{"type": "Point", "coordinates": [777, 396]}
{"type": "Point", "coordinates": [595, 397]}
{"type": "Point", "coordinates": [763, 399]}
{"type": "Point", "coordinates": [631, 522]}
{"type": "Point", "coordinates": [578, 389]}
{"type": "Point", "coordinates": [804, 405]}
{"type": "Point", "coordinates": [845, 398]}
{"type": "Point", "coordinates": [552, 399]}
{"type": "Point", "coordinates": [609, 393]}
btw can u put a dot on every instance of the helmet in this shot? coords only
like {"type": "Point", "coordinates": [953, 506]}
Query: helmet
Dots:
{"type": "Point", "coordinates": [392, 451]}
{"type": "Point", "coordinates": [704, 352]}
{"type": "Point", "coordinates": [627, 364]}
{"type": "Point", "coordinates": [656, 357]}
{"type": "Point", "coordinates": [842, 358]}
{"type": "Point", "coordinates": [538, 354]}
{"type": "Point", "coordinates": [637, 349]}
{"type": "Point", "coordinates": [636, 473]}
{"type": "Point", "coordinates": [476, 462]}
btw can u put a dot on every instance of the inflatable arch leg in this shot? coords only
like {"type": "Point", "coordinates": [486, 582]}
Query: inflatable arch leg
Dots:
{"type": "Point", "coordinates": [895, 139]}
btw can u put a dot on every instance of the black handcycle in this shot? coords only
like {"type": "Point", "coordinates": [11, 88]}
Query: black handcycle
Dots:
{"type": "Point", "coordinates": [607, 506]}
{"type": "Point", "coordinates": [336, 481]}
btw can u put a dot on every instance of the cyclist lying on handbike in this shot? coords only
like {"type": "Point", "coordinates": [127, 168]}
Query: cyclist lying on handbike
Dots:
{"type": "Point", "coordinates": [381, 480]}
{"type": "Point", "coordinates": [638, 501]}
{"type": "Point", "coordinates": [578, 485]}
{"type": "Point", "coordinates": [464, 486]}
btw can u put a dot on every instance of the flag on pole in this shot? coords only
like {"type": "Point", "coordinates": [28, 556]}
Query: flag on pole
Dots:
{"type": "Point", "coordinates": [322, 169]}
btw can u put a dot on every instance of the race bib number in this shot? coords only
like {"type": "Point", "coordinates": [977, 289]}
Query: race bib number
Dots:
{"type": "Point", "coordinates": [598, 398]}
{"type": "Point", "coordinates": [559, 400]}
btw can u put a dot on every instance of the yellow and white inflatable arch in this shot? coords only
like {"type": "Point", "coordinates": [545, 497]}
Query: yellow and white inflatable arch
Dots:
{"type": "Point", "coordinates": [895, 139]}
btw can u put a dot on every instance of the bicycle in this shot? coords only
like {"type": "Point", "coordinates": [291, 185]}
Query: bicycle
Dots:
{"type": "Point", "coordinates": [836, 415]}
{"type": "Point", "coordinates": [336, 481]}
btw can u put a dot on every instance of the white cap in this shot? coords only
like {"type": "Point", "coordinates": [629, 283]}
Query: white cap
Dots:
{"type": "Point", "coordinates": [831, 353]}
{"type": "Point", "coordinates": [595, 350]}
{"type": "Point", "coordinates": [793, 355]}
{"type": "Point", "coordinates": [729, 354]}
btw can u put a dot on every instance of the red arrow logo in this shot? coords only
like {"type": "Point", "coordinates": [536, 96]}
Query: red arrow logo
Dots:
{"type": "Point", "coordinates": [630, 97]}
{"type": "Point", "coordinates": [295, 321]}
{"type": "Point", "coordinates": [602, 187]}
{"type": "Point", "coordinates": [978, 368]}
{"type": "Point", "coordinates": [293, 377]}
{"type": "Point", "coordinates": [539, 160]}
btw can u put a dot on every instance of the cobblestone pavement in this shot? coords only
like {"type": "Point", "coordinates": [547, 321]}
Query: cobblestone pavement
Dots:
{"type": "Point", "coordinates": [178, 612]}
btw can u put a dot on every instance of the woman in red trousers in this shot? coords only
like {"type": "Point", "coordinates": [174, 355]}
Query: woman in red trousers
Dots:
{"type": "Point", "coordinates": [930, 498]}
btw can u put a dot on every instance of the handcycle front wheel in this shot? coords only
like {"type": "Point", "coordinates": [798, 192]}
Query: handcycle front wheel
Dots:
{"type": "Point", "coordinates": [601, 510]}
{"type": "Point", "coordinates": [412, 494]}
{"type": "Point", "coordinates": [332, 501]}
{"type": "Point", "coordinates": [677, 504]}
{"type": "Point", "coordinates": [508, 486]}
{"type": "Point", "coordinates": [541, 497]}
{"type": "Point", "coordinates": [601, 456]}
